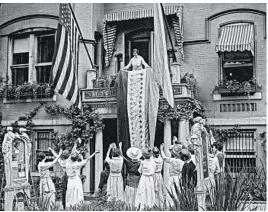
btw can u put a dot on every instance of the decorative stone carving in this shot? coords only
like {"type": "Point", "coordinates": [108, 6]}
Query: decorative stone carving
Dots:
{"type": "Point", "coordinates": [16, 149]}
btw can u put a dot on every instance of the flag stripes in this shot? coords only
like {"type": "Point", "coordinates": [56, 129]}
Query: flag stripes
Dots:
{"type": "Point", "coordinates": [64, 66]}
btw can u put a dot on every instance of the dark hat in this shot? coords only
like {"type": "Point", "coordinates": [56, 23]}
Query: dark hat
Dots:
{"type": "Point", "coordinates": [185, 153]}
{"type": "Point", "coordinates": [218, 145]}
{"type": "Point", "coordinates": [147, 152]}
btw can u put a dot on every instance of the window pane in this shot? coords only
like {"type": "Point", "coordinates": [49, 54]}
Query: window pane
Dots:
{"type": "Point", "coordinates": [43, 74]}
{"type": "Point", "coordinates": [21, 45]}
{"type": "Point", "coordinates": [240, 74]}
{"type": "Point", "coordinates": [238, 56]}
{"type": "Point", "coordinates": [19, 76]}
{"type": "Point", "coordinates": [45, 46]}
{"type": "Point", "coordinates": [43, 141]}
{"type": "Point", "coordinates": [20, 58]}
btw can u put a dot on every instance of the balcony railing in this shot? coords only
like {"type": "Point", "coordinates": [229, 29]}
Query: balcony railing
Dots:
{"type": "Point", "coordinates": [13, 92]}
{"type": "Point", "coordinates": [179, 90]}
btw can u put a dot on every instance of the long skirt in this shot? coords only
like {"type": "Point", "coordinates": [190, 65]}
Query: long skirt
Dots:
{"type": "Point", "coordinates": [130, 195]}
{"type": "Point", "coordinates": [159, 189]}
{"type": "Point", "coordinates": [115, 189]}
{"type": "Point", "coordinates": [173, 183]}
{"type": "Point", "coordinates": [47, 191]}
{"type": "Point", "coordinates": [64, 189]}
{"type": "Point", "coordinates": [145, 196]}
{"type": "Point", "coordinates": [74, 193]}
{"type": "Point", "coordinates": [210, 184]}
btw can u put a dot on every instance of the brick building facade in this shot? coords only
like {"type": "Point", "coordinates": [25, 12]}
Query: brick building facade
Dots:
{"type": "Point", "coordinates": [22, 27]}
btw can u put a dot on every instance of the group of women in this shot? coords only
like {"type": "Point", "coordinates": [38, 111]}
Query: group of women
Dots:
{"type": "Point", "coordinates": [71, 163]}
{"type": "Point", "coordinates": [144, 182]}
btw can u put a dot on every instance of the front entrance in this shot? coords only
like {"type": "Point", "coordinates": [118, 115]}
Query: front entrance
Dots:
{"type": "Point", "coordinates": [109, 134]}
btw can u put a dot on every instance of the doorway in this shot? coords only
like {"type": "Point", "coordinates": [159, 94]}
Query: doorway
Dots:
{"type": "Point", "coordinates": [109, 134]}
{"type": "Point", "coordinates": [140, 39]}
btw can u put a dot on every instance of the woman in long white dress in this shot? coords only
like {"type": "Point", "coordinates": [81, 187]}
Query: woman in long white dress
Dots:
{"type": "Point", "coordinates": [74, 193]}
{"type": "Point", "coordinates": [115, 189]}
{"type": "Point", "coordinates": [47, 187]}
{"type": "Point", "coordinates": [175, 172]}
{"type": "Point", "coordinates": [158, 179]}
{"type": "Point", "coordinates": [137, 62]}
{"type": "Point", "coordinates": [145, 196]}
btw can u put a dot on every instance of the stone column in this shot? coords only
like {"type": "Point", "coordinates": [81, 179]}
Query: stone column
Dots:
{"type": "Point", "coordinates": [183, 131]}
{"type": "Point", "coordinates": [176, 72]}
{"type": "Point", "coordinates": [167, 144]}
{"type": "Point", "coordinates": [86, 171]}
{"type": "Point", "coordinates": [91, 74]}
{"type": "Point", "coordinates": [98, 158]}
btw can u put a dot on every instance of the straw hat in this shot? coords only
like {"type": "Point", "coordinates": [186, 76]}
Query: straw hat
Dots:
{"type": "Point", "coordinates": [134, 153]}
{"type": "Point", "coordinates": [197, 119]}
{"type": "Point", "coordinates": [176, 149]}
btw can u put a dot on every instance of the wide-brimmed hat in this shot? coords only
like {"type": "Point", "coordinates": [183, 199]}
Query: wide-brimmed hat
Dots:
{"type": "Point", "coordinates": [185, 153]}
{"type": "Point", "coordinates": [197, 119]}
{"type": "Point", "coordinates": [176, 149]}
{"type": "Point", "coordinates": [147, 152]}
{"type": "Point", "coordinates": [134, 153]}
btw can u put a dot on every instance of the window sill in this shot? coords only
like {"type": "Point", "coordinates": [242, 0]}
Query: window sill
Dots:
{"type": "Point", "coordinates": [220, 97]}
{"type": "Point", "coordinates": [28, 100]}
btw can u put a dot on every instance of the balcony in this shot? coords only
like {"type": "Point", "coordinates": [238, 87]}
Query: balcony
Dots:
{"type": "Point", "coordinates": [26, 93]}
{"type": "Point", "coordinates": [96, 96]}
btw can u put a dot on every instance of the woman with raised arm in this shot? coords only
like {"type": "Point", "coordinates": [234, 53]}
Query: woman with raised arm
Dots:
{"type": "Point", "coordinates": [63, 160]}
{"type": "Point", "coordinates": [133, 176]}
{"type": "Point", "coordinates": [74, 194]}
{"type": "Point", "coordinates": [115, 189]}
{"type": "Point", "coordinates": [175, 172]}
{"type": "Point", "coordinates": [158, 179]}
{"type": "Point", "coordinates": [145, 196]}
{"type": "Point", "coordinates": [137, 62]}
{"type": "Point", "coordinates": [47, 188]}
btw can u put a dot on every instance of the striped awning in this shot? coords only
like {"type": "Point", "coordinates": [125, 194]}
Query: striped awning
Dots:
{"type": "Point", "coordinates": [138, 14]}
{"type": "Point", "coordinates": [236, 37]}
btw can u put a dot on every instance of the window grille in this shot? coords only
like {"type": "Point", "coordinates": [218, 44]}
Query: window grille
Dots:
{"type": "Point", "coordinates": [240, 151]}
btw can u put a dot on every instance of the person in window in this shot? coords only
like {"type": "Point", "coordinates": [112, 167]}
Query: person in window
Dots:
{"type": "Point", "coordinates": [47, 187]}
{"type": "Point", "coordinates": [115, 189]}
{"type": "Point", "coordinates": [175, 172]}
{"type": "Point", "coordinates": [158, 179]}
{"type": "Point", "coordinates": [133, 175]}
{"type": "Point", "coordinates": [103, 180]}
{"type": "Point", "coordinates": [74, 193]}
{"type": "Point", "coordinates": [145, 196]}
{"type": "Point", "coordinates": [137, 62]}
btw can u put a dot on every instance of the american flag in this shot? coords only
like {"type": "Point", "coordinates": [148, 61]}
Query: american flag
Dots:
{"type": "Point", "coordinates": [64, 65]}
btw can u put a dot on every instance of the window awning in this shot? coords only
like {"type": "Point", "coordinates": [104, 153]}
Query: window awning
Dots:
{"type": "Point", "coordinates": [237, 37]}
{"type": "Point", "coordinates": [137, 14]}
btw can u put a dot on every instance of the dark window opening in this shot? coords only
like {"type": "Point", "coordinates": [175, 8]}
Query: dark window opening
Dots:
{"type": "Point", "coordinates": [45, 48]}
{"type": "Point", "coordinates": [19, 76]}
{"type": "Point", "coordinates": [20, 58]}
{"type": "Point", "coordinates": [43, 74]}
